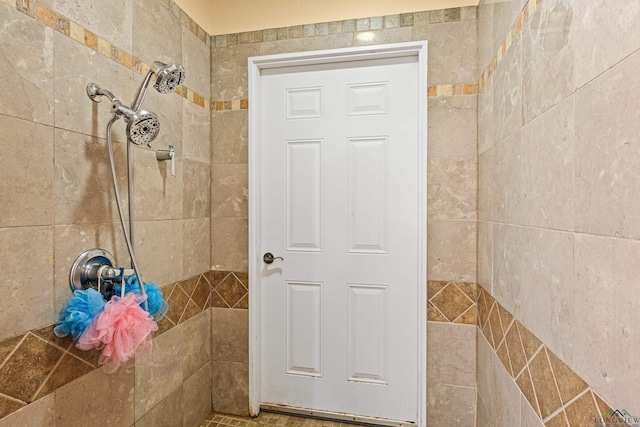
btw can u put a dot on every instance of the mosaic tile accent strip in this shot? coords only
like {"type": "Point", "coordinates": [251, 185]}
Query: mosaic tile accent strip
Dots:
{"type": "Point", "coordinates": [524, 17]}
{"type": "Point", "coordinates": [234, 105]}
{"type": "Point", "coordinates": [451, 302]}
{"type": "Point", "coordinates": [230, 289]}
{"type": "Point", "coordinates": [37, 363]}
{"type": "Point", "coordinates": [455, 14]}
{"type": "Point", "coordinates": [556, 393]}
{"type": "Point", "coordinates": [269, 419]}
{"type": "Point", "coordinates": [63, 25]}
{"type": "Point", "coordinates": [452, 89]}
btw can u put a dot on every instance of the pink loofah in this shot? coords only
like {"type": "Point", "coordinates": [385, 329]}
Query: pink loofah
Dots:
{"type": "Point", "coordinates": [118, 331]}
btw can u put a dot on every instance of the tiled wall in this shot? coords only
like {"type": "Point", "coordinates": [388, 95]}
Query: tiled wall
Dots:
{"type": "Point", "coordinates": [56, 201]}
{"type": "Point", "coordinates": [452, 170]}
{"type": "Point", "coordinates": [557, 205]}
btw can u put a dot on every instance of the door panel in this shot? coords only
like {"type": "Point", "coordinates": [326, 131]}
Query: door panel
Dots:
{"type": "Point", "coordinates": [339, 201]}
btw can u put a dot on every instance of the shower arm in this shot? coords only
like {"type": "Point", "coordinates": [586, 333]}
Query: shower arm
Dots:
{"type": "Point", "coordinates": [142, 91]}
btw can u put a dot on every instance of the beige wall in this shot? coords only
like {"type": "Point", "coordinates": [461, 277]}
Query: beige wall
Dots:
{"type": "Point", "coordinates": [227, 17]}
{"type": "Point", "coordinates": [57, 201]}
{"type": "Point", "coordinates": [558, 234]}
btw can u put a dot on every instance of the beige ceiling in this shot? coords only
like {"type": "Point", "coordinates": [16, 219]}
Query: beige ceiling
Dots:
{"type": "Point", "coordinates": [235, 16]}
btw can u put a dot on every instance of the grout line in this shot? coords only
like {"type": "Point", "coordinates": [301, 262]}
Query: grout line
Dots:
{"type": "Point", "coordinates": [13, 399]}
{"type": "Point", "coordinates": [32, 398]}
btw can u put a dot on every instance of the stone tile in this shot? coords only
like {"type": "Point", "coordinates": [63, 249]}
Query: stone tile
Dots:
{"type": "Point", "coordinates": [507, 93]}
{"type": "Point", "coordinates": [82, 179]}
{"type": "Point", "coordinates": [38, 413]}
{"type": "Point", "coordinates": [452, 302]}
{"type": "Point", "coordinates": [606, 269]}
{"type": "Point", "coordinates": [69, 369]}
{"type": "Point", "coordinates": [528, 416]}
{"type": "Point", "coordinates": [468, 13]}
{"type": "Point", "coordinates": [196, 351]}
{"type": "Point", "coordinates": [190, 311]}
{"type": "Point", "coordinates": [196, 132]}
{"type": "Point", "coordinates": [503, 355]}
{"type": "Point", "coordinates": [434, 315]}
{"type": "Point", "coordinates": [451, 405]}
{"type": "Point", "coordinates": [451, 190]}
{"type": "Point", "coordinates": [452, 51]}
{"type": "Point", "coordinates": [548, 169]}
{"type": "Point", "coordinates": [196, 396]}
{"type": "Point", "coordinates": [469, 317]}
{"type": "Point", "coordinates": [560, 420]}
{"type": "Point", "coordinates": [229, 191]}
{"type": "Point", "coordinates": [229, 75]}
{"type": "Point", "coordinates": [334, 41]}
{"type": "Point", "coordinates": [451, 354]}
{"type": "Point", "coordinates": [486, 124]}
{"type": "Point", "coordinates": [229, 137]}
{"type": "Point", "coordinates": [569, 384]}
{"type": "Point", "coordinates": [26, 170]}
{"type": "Point", "coordinates": [530, 343]}
{"type": "Point", "coordinates": [111, 23]}
{"type": "Point", "coordinates": [196, 193]}
{"type": "Point", "coordinates": [159, 250]}
{"type": "Point", "coordinates": [230, 335]}
{"type": "Point", "coordinates": [196, 62]}
{"type": "Point", "coordinates": [26, 258]}
{"type": "Point", "coordinates": [390, 35]}
{"type": "Point", "coordinates": [600, 38]}
{"type": "Point", "coordinates": [606, 157]}
{"type": "Point", "coordinates": [507, 397]}
{"type": "Point", "coordinates": [496, 328]}
{"type": "Point", "coordinates": [486, 164]}
{"type": "Point", "coordinates": [544, 384]}
{"type": "Point", "coordinates": [435, 286]}
{"type": "Point", "coordinates": [506, 183]}
{"type": "Point", "coordinates": [8, 406]}
{"type": "Point", "coordinates": [281, 46]}
{"type": "Point", "coordinates": [197, 247]}
{"type": "Point", "coordinates": [486, 48]}
{"type": "Point", "coordinates": [7, 346]}
{"type": "Point", "coordinates": [27, 368]}
{"type": "Point", "coordinates": [91, 390]}
{"type": "Point", "coordinates": [485, 254]}
{"type": "Point", "coordinates": [526, 386]}
{"type": "Point", "coordinates": [451, 248]}
{"type": "Point", "coordinates": [547, 58]}
{"type": "Point", "coordinates": [229, 244]}
{"type": "Point", "coordinates": [168, 412]}
{"type": "Point", "coordinates": [201, 294]}
{"type": "Point", "coordinates": [516, 353]}
{"type": "Point", "coordinates": [486, 381]}
{"type": "Point", "coordinates": [157, 34]}
{"type": "Point", "coordinates": [452, 14]}
{"type": "Point", "coordinates": [177, 301]}
{"type": "Point", "coordinates": [582, 411]}
{"type": "Point", "coordinates": [504, 15]}
{"type": "Point", "coordinates": [163, 375]}
{"type": "Point", "coordinates": [157, 194]}
{"type": "Point", "coordinates": [452, 126]}
{"type": "Point", "coordinates": [76, 66]}
{"type": "Point", "coordinates": [27, 67]}
{"type": "Point", "coordinates": [230, 388]}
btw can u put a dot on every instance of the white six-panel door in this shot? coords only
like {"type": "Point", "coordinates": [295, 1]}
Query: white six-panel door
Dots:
{"type": "Point", "coordinates": [340, 192]}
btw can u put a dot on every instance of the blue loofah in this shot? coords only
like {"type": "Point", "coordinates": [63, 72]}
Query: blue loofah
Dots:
{"type": "Point", "coordinates": [79, 312]}
{"type": "Point", "coordinates": [157, 305]}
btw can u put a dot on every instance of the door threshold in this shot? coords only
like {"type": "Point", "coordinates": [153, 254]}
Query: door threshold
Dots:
{"type": "Point", "coordinates": [334, 416]}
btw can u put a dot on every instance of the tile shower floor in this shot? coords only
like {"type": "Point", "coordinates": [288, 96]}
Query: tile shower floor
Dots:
{"type": "Point", "coordinates": [268, 419]}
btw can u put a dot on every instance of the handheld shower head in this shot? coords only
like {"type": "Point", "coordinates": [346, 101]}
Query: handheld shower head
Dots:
{"type": "Point", "coordinates": [142, 126]}
{"type": "Point", "coordinates": [168, 78]}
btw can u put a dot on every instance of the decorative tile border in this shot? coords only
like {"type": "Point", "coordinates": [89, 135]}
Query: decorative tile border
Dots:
{"type": "Point", "coordinates": [524, 17]}
{"type": "Point", "coordinates": [556, 393]}
{"type": "Point", "coordinates": [230, 289]}
{"type": "Point", "coordinates": [451, 302]}
{"type": "Point", "coordinates": [452, 89]}
{"type": "Point", "coordinates": [64, 25]}
{"type": "Point", "coordinates": [346, 26]}
{"type": "Point", "coordinates": [37, 363]}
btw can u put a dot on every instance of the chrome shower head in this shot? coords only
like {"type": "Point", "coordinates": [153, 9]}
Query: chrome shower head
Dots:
{"type": "Point", "coordinates": [142, 126]}
{"type": "Point", "coordinates": [168, 78]}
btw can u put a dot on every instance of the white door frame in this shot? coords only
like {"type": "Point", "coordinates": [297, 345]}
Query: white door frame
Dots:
{"type": "Point", "coordinates": [256, 64]}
